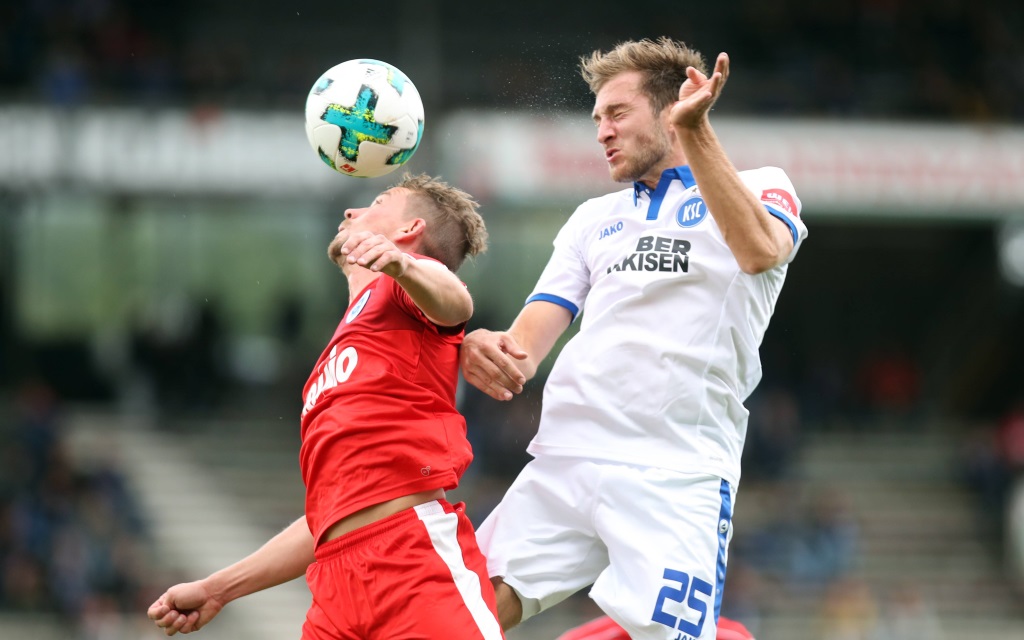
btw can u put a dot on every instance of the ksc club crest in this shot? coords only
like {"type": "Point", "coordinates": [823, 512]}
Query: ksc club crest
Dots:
{"type": "Point", "coordinates": [692, 212]}
{"type": "Point", "coordinates": [358, 306]}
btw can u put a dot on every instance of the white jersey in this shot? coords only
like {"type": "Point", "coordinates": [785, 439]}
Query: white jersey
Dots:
{"type": "Point", "coordinates": [668, 347]}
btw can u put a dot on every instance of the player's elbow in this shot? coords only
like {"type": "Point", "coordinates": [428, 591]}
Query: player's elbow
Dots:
{"type": "Point", "coordinates": [465, 309]}
{"type": "Point", "coordinates": [752, 268]}
{"type": "Point", "coordinates": [755, 262]}
{"type": "Point", "coordinates": [764, 253]}
{"type": "Point", "coordinates": [458, 311]}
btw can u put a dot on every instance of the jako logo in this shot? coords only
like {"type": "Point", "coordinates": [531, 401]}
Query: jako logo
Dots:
{"type": "Point", "coordinates": [692, 212]}
{"type": "Point", "coordinates": [337, 369]}
{"type": "Point", "coordinates": [610, 229]}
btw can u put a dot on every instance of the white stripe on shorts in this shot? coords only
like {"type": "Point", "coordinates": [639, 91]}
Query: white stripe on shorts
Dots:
{"type": "Point", "coordinates": [444, 535]}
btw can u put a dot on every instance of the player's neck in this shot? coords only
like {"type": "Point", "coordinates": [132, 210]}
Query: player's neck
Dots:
{"type": "Point", "coordinates": [358, 279]}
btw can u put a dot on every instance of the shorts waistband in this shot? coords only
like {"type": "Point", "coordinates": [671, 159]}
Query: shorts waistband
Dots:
{"type": "Point", "coordinates": [396, 521]}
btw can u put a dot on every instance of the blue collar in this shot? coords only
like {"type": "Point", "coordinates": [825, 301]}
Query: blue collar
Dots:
{"type": "Point", "coordinates": [683, 174]}
{"type": "Point", "coordinates": [638, 188]}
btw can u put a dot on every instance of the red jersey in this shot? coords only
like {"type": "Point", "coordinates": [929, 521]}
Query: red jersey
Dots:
{"type": "Point", "coordinates": [379, 420]}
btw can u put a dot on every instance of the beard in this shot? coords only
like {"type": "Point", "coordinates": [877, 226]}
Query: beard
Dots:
{"type": "Point", "coordinates": [334, 249]}
{"type": "Point", "coordinates": [652, 146]}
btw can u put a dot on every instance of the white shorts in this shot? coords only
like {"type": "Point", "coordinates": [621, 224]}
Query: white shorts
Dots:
{"type": "Point", "coordinates": [653, 542]}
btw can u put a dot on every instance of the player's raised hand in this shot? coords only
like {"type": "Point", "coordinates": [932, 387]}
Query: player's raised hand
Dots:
{"type": "Point", "coordinates": [486, 359]}
{"type": "Point", "coordinates": [184, 608]}
{"type": "Point", "coordinates": [375, 252]}
{"type": "Point", "coordinates": [698, 93]}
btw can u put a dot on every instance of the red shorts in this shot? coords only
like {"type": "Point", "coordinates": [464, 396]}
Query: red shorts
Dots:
{"type": "Point", "coordinates": [416, 575]}
{"type": "Point", "coordinates": [604, 628]}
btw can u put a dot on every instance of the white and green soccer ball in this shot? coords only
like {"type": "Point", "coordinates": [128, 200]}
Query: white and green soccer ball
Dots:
{"type": "Point", "coordinates": [364, 118]}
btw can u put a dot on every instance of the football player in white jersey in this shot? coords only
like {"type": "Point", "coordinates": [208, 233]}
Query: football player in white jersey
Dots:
{"type": "Point", "coordinates": [637, 458]}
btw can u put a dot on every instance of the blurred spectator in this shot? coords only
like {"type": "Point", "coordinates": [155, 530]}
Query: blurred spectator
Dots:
{"type": "Point", "coordinates": [992, 459]}
{"type": "Point", "coordinates": [826, 546]}
{"type": "Point", "coordinates": [499, 435]}
{"type": "Point", "coordinates": [1010, 436]}
{"type": "Point", "coordinates": [908, 616]}
{"type": "Point", "coordinates": [767, 545]}
{"type": "Point", "coordinates": [6, 330]}
{"type": "Point", "coordinates": [889, 381]}
{"type": "Point", "coordinates": [802, 546]}
{"type": "Point", "coordinates": [69, 537]}
{"type": "Point", "coordinates": [289, 321]}
{"type": "Point", "coordinates": [909, 59]}
{"type": "Point", "coordinates": [773, 435]}
{"type": "Point", "coordinates": [824, 387]}
{"type": "Point", "coordinates": [64, 80]}
{"type": "Point", "coordinates": [987, 474]}
{"type": "Point", "coordinates": [179, 350]}
{"type": "Point", "coordinates": [849, 612]}
{"type": "Point", "coordinates": [744, 595]}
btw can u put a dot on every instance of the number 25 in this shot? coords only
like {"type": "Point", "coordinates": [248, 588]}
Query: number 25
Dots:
{"type": "Point", "coordinates": [677, 595]}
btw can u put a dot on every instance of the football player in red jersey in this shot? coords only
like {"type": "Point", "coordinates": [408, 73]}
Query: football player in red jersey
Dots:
{"type": "Point", "coordinates": [381, 443]}
{"type": "Point", "coordinates": [604, 628]}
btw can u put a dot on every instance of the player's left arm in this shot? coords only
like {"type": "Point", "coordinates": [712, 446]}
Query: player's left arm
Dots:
{"type": "Point", "coordinates": [758, 240]}
{"type": "Point", "coordinates": [438, 292]}
{"type": "Point", "coordinates": [189, 606]}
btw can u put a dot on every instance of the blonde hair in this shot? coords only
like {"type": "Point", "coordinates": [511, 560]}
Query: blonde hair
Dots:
{"type": "Point", "coordinates": [455, 230]}
{"type": "Point", "coordinates": [662, 63]}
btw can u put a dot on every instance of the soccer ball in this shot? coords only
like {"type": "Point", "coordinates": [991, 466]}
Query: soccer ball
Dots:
{"type": "Point", "coordinates": [364, 118]}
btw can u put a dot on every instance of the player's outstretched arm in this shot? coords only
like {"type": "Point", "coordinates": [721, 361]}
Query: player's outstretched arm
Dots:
{"type": "Point", "coordinates": [189, 606]}
{"type": "Point", "coordinates": [756, 238]}
{"type": "Point", "coordinates": [438, 292]}
{"type": "Point", "coordinates": [500, 362]}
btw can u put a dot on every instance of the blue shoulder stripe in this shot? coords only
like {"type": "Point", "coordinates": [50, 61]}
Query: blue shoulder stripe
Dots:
{"type": "Point", "coordinates": [562, 302]}
{"type": "Point", "coordinates": [789, 223]}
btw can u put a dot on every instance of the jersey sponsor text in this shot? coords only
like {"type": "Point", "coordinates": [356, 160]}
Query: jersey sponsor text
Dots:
{"type": "Point", "coordinates": [781, 199]}
{"type": "Point", "coordinates": [656, 253]}
{"type": "Point", "coordinates": [338, 368]}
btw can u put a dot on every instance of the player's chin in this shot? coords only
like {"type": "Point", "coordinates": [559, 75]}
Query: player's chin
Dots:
{"type": "Point", "coordinates": [619, 171]}
{"type": "Point", "coordinates": [334, 251]}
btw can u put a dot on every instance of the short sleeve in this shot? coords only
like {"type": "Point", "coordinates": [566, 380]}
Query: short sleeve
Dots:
{"type": "Point", "coordinates": [565, 280]}
{"type": "Point", "coordinates": [405, 302]}
{"type": "Point", "coordinates": [774, 189]}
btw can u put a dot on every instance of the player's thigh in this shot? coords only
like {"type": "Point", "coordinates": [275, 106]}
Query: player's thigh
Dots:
{"type": "Point", "coordinates": [540, 539]}
{"type": "Point", "coordinates": [667, 535]}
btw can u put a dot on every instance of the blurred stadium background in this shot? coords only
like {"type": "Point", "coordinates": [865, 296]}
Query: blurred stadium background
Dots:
{"type": "Point", "coordinates": [164, 289]}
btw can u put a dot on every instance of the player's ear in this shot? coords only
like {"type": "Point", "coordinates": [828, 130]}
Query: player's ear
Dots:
{"type": "Point", "coordinates": [665, 118]}
{"type": "Point", "coordinates": [412, 231]}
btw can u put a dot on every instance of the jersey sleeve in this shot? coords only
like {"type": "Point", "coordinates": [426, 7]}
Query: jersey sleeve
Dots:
{"type": "Point", "coordinates": [565, 280]}
{"type": "Point", "coordinates": [405, 302]}
{"type": "Point", "coordinates": [402, 299]}
{"type": "Point", "coordinates": [774, 189]}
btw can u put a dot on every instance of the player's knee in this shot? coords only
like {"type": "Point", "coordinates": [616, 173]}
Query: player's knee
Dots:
{"type": "Point", "coordinates": [510, 609]}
